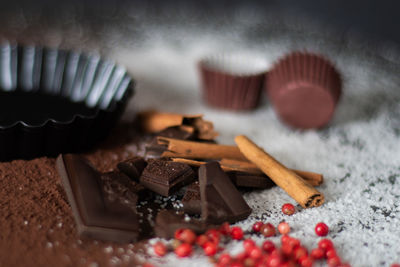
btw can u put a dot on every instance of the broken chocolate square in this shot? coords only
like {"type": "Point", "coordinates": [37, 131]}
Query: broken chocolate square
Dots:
{"type": "Point", "coordinates": [220, 200]}
{"type": "Point", "coordinates": [118, 187]}
{"type": "Point", "coordinates": [191, 200]}
{"type": "Point", "coordinates": [132, 167]}
{"type": "Point", "coordinates": [165, 177]}
{"type": "Point", "coordinates": [249, 180]}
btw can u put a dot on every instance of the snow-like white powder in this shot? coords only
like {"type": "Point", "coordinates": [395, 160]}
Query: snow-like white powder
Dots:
{"type": "Point", "coordinates": [358, 153]}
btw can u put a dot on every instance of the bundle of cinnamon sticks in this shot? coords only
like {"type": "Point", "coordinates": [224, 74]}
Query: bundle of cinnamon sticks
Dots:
{"type": "Point", "coordinates": [245, 157]}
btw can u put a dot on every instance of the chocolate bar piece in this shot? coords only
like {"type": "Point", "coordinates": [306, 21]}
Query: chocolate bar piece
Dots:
{"type": "Point", "coordinates": [220, 200]}
{"type": "Point", "coordinates": [96, 215]}
{"type": "Point", "coordinates": [133, 167]}
{"type": "Point", "coordinates": [176, 133]}
{"type": "Point", "coordinates": [249, 180]}
{"type": "Point", "coordinates": [168, 221]}
{"type": "Point", "coordinates": [165, 177]}
{"type": "Point", "coordinates": [191, 200]}
{"type": "Point", "coordinates": [118, 187]}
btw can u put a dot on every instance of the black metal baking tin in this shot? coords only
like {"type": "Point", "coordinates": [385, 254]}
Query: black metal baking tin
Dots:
{"type": "Point", "coordinates": [99, 83]}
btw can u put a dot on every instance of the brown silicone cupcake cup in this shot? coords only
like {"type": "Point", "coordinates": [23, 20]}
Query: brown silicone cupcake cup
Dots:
{"type": "Point", "coordinates": [232, 82]}
{"type": "Point", "coordinates": [304, 89]}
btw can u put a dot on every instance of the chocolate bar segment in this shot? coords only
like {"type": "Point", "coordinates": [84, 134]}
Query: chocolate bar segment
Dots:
{"type": "Point", "coordinates": [165, 177]}
{"type": "Point", "coordinates": [249, 180]}
{"type": "Point", "coordinates": [132, 167]}
{"type": "Point", "coordinates": [118, 187]}
{"type": "Point", "coordinates": [191, 201]}
{"type": "Point", "coordinates": [220, 200]}
{"type": "Point", "coordinates": [96, 215]}
{"type": "Point", "coordinates": [177, 133]}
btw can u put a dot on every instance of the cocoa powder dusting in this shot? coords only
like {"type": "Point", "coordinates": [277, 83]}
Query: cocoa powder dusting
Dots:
{"type": "Point", "coordinates": [36, 223]}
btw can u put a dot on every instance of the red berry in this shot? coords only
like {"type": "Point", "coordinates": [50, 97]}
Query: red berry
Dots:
{"type": "Point", "coordinates": [287, 249]}
{"type": "Point", "coordinates": [299, 252]}
{"type": "Point", "coordinates": [325, 244]}
{"type": "Point", "coordinates": [285, 239]}
{"type": "Point", "coordinates": [183, 250]}
{"type": "Point", "coordinates": [249, 262]}
{"type": "Point", "coordinates": [321, 229]}
{"type": "Point", "coordinates": [201, 240]}
{"type": "Point", "coordinates": [288, 209]}
{"type": "Point", "coordinates": [236, 264]}
{"type": "Point", "coordinates": [317, 253]}
{"type": "Point", "coordinates": [177, 234]}
{"type": "Point", "coordinates": [306, 261]}
{"type": "Point", "coordinates": [268, 230]}
{"type": "Point", "coordinates": [330, 253]}
{"type": "Point", "coordinates": [210, 248]}
{"type": "Point", "coordinates": [284, 228]}
{"type": "Point", "coordinates": [268, 246]}
{"type": "Point", "coordinates": [294, 242]}
{"type": "Point", "coordinates": [333, 262]}
{"type": "Point", "coordinates": [248, 244]}
{"type": "Point", "coordinates": [213, 236]}
{"type": "Point", "coordinates": [160, 249]}
{"type": "Point", "coordinates": [395, 265]}
{"type": "Point", "coordinates": [186, 236]}
{"type": "Point", "coordinates": [257, 226]}
{"type": "Point", "coordinates": [147, 265]}
{"type": "Point", "coordinates": [241, 256]}
{"type": "Point", "coordinates": [224, 259]}
{"type": "Point", "coordinates": [274, 260]}
{"type": "Point", "coordinates": [225, 228]}
{"type": "Point", "coordinates": [236, 233]}
{"type": "Point", "coordinates": [255, 252]}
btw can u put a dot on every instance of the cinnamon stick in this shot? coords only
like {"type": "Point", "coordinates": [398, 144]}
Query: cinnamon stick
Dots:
{"type": "Point", "coordinates": [314, 179]}
{"type": "Point", "coordinates": [301, 191]}
{"type": "Point", "coordinates": [197, 150]}
{"type": "Point", "coordinates": [153, 121]}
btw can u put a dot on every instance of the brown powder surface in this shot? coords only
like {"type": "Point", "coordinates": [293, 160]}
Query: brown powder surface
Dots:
{"type": "Point", "coordinates": [36, 223]}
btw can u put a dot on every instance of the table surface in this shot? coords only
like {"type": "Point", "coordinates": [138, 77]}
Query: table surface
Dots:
{"type": "Point", "coordinates": [358, 152]}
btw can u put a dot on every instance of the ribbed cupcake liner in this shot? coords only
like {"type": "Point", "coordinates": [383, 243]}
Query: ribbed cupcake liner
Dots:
{"type": "Point", "coordinates": [232, 82]}
{"type": "Point", "coordinates": [304, 89]}
{"type": "Point", "coordinates": [102, 85]}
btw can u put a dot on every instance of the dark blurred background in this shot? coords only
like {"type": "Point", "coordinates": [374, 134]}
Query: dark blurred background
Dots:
{"type": "Point", "coordinates": [88, 22]}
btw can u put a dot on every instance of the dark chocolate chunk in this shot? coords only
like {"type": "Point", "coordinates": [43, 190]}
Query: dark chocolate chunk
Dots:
{"type": "Point", "coordinates": [118, 187]}
{"type": "Point", "coordinates": [165, 177]}
{"type": "Point", "coordinates": [249, 180]}
{"type": "Point", "coordinates": [168, 221]}
{"type": "Point", "coordinates": [132, 167]}
{"type": "Point", "coordinates": [220, 200]}
{"type": "Point", "coordinates": [191, 200]}
{"type": "Point", "coordinates": [96, 215]}
{"type": "Point", "coordinates": [176, 133]}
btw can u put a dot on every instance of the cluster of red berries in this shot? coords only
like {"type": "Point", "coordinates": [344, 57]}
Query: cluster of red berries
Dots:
{"type": "Point", "coordinates": [185, 239]}
{"type": "Point", "coordinates": [290, 253]}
